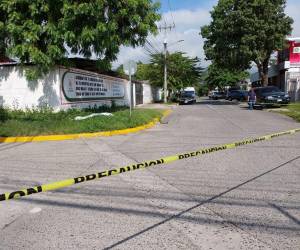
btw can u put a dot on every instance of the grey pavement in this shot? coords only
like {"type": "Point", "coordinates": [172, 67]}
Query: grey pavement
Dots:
{"type": "Point", "coordinates": [244, 198]}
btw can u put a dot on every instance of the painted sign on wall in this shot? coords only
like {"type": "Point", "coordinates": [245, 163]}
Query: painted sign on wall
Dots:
{"type": "Point", "coordinates": [296, 50]}
{"type": "Point", "coordinates": [88, 87]}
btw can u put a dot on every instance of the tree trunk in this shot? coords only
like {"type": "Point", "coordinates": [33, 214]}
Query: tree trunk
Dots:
{"type": "Point", "coordinates": [265, 73]}
{"type": "Point", "coordinates": [263, 70]}
{"type": "Point", "coordinates": [2, 54]}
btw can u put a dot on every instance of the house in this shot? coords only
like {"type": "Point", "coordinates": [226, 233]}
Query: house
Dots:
{"type": "Point", "coordinates": [285, 74]}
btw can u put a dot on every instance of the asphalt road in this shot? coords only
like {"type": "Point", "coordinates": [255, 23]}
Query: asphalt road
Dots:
{"type": "Point", "coordinates": [244, 198]}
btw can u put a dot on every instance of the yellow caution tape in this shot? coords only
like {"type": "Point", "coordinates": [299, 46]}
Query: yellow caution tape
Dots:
{"type": "Point", "coordinates": [130, 168]}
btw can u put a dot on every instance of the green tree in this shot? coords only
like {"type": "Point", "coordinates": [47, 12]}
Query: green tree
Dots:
{"type": "Point", "coordinates": [221, 77]}
{"type": "Point", "coordinates": [3, 33]}
{"type": "Point", "coordinates": [183, 71]}
{"type": "Point", "coordinates": [141, 73]}
{"type": "Point", "coordinates": [245, 31]}
{"type": "Point", "coordinates": [203, 89]}
{"type": "Point", "coordinates": [44, 32]}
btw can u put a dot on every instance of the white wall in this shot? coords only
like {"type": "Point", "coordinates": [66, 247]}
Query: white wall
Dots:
{"type": "Point", "coordinates": [150, 93]}
{"type": "Point", "coordinates": [293, 83]}
{"type": "Point", "coordinates": [16, 92]}
{"type": "Point", "coordinates": [158, 95]}
{"type": "Point", "coordinates": [19, 93]}
{"type": "Point", "coordinates": [147, 93]}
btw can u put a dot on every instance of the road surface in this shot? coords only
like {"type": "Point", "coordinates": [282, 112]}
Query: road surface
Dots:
{"type": "Point", "coordinates": [244, 198]}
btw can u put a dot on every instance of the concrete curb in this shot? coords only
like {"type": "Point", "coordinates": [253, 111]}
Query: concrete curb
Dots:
{"type": "Point", "coordinates": [83, 135]}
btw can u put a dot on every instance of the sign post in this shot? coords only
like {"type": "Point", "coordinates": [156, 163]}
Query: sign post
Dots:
{"type": "Point", "coordinates": [130, 68]}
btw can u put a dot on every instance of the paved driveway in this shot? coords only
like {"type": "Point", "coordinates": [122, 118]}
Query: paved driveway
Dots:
{"type": "Point", "coordinates": [244, 198]}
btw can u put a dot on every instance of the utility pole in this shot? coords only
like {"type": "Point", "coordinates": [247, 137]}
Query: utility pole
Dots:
{"type": "Point", "coordinates": [131, 94]}
{"type": "Point", "coordinates": [166, 68]}
{"type": "Point", "coordinates": [165, 72]}
{"type": "Point", "coordinates": [165, 28]}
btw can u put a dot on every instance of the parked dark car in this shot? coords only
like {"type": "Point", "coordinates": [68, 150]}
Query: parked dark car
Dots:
{"type": "Point", "coordinates": [239, 95]}
{"type": "Point", "coordinates": [271, 95]}
{"type": "Point", "coordinates": [215, 95]}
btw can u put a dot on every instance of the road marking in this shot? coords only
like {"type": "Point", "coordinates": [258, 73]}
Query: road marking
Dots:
{"type": "Point", "coordinates": [35, 210]}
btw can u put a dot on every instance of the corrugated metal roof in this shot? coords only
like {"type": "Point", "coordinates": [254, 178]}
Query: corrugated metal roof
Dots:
{"type": "Point", "coordinates": [294, 39]}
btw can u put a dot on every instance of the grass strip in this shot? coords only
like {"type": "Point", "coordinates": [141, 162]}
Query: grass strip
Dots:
{"type": "Point", "coordinates": [292, 110]}
{"type": "Point", "coordinates": [47, 122]}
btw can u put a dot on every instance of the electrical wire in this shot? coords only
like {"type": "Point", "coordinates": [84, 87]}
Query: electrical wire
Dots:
{"type": "Point", "coordinates": [152, 46]}
{"type": "Point", "coordinates": [171, 12]}
{"type": "Point", "coordinates": [172, 16]}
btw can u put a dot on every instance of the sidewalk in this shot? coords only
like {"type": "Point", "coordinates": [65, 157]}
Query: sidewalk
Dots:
{"type": "Point", "coordinates": [157, 106]}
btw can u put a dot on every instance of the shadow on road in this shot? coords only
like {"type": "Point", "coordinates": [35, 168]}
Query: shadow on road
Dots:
{"type": "Point", "coordinates": [216, 102]}
{"type": "Point", "coordinates": [239, 223]}
{"type": "Point", "coordinates": [7, 146]}
{"type": "Point", "coordinates": [242, 105]}
{"type": "Point", "coordinates": [183, 215]}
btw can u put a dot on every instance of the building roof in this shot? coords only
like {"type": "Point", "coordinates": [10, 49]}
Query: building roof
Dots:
{"type": "Point", "coordinates": [79, 63]}
{"type": "Point", "coordinates": [294, 39]}
{"type": "Point", "coordinates": [91, 65]}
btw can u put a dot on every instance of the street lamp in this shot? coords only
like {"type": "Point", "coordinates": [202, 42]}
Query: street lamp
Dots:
{"type": "Point", "coordinates": [166, 69]}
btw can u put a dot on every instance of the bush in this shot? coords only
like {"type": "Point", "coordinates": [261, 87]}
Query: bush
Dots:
{"type": "Point", "coordinates": [3, 114]}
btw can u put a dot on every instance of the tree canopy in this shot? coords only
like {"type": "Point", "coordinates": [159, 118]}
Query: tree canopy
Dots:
{"type": "Point", "coordinates": [141, 73]}
{"type": "Point", "coordinates": [3, 35]}
{"type": "Point", "coordinates": [45, 32]}
{"type": "Point", "coordinates": [246, 31]}
{"type": "Point", "coordinates": [183, 71]}
{"type": "Point", "coordinates": [222, 77]}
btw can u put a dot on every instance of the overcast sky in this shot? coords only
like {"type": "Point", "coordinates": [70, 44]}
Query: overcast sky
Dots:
{"type": "Point", "coordinates": [189, 16]}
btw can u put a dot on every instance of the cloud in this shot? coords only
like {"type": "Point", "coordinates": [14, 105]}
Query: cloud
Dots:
{"type": "Point", "coordinates": [292, 9]}
{"type": "Point", "coordinates": [188, 24]}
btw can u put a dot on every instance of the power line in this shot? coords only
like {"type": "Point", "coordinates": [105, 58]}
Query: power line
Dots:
{"type": "Point", "coordinates": [166, 27]}
{"type": "Point", "coordinates": [149, 49]}
{"type": "Point", "coordinates": [152, 46]}
{"type": "Point", "coordinates": [148, 52]}
{"type": "Point", "coordinates": [171, 12]}
{"type": "Point", "coordinates": [149, 46]}
{"type": "Point", "coordinates": [157, 42]}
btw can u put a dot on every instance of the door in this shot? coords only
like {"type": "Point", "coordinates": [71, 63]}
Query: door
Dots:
{"type": "Point", "coordinates": [293, 85]}
{"type": "Point", "coordinates": [139, 93]}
